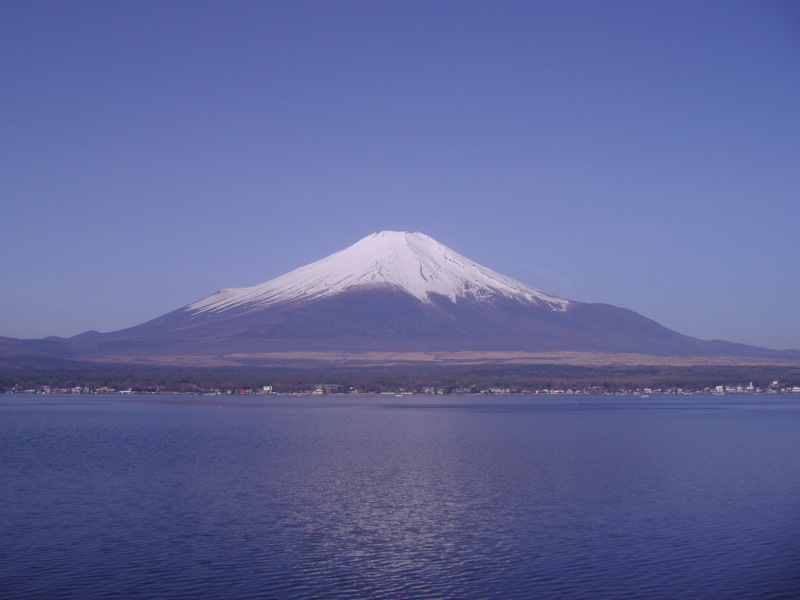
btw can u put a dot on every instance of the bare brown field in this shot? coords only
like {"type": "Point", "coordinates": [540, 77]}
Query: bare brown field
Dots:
{"type": "Point", "coordinates": [383, 359]}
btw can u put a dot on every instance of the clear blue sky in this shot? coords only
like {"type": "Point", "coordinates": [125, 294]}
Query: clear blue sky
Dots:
{"type": "Point", "coordinates": [643, 154]}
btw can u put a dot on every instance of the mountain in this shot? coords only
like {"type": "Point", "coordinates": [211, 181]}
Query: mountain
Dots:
{"type": "Point", "coordinates": [393, 292]}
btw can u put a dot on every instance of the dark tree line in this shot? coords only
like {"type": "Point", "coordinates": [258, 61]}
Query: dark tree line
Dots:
{"type": "Point", "coordinates": [386, 379]}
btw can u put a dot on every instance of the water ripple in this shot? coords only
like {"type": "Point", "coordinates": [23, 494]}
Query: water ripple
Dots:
{"type": "Point", "coordinates": [167, 500]}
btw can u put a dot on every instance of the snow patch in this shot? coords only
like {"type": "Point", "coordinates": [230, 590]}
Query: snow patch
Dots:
{"type": "Point", "coordinates": [413, 262]}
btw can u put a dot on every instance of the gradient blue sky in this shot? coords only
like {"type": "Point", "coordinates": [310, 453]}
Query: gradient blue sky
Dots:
{"type": "Point", "coordinates": [643, 154]}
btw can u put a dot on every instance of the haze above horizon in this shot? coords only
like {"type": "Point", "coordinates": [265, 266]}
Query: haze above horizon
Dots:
{"type": "Point", "coordinates": [638, 154]}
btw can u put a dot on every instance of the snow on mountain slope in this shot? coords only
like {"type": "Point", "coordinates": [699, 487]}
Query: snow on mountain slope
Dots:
{"type": "Point", "coordinates": [413, 262]}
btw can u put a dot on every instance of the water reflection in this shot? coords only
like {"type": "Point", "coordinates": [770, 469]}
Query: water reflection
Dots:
{"type": "Point", "coordinates": [298, 499]}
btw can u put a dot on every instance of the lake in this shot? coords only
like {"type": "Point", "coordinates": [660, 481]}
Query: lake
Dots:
{"type": "Point", "coordinates": [167, 497]}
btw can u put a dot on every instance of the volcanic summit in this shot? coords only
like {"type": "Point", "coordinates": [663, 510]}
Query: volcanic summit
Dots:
{"type": "Point", "coordinates": [410, 263]}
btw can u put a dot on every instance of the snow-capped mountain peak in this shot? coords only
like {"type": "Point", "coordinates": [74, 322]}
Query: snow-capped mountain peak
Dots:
{"type": "Point", "coordinates": [412, 262]}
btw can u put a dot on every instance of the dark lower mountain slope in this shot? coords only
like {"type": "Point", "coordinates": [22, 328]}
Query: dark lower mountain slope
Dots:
{"type": "Point", "coordinates": [385, 319]}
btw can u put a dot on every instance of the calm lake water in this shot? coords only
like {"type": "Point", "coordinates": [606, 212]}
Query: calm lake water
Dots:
{"type": "Point", "coordinates": [413, 497]}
